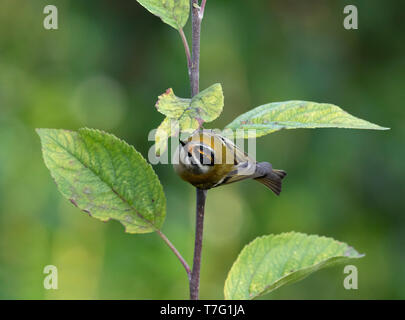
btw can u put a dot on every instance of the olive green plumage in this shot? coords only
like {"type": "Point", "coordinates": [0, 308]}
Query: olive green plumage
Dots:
{"type": "Point", "coordinates": [208, 160]}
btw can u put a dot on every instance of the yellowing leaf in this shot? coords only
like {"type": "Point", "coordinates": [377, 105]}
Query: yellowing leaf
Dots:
{"type": "Point", "coordinates": [186, 114]}
{"type": "Point", "coordinates": [167, 128]}
{"type": "Point", "coordinates": [170, 105]}
{"type": "Point", "coordinates": [173, 12]}
{"type": "Point", "coordinates": [208, 104]}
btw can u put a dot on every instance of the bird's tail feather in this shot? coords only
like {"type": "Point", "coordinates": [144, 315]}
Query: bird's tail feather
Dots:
{"type": "Point", "coordinates": [273, 180]}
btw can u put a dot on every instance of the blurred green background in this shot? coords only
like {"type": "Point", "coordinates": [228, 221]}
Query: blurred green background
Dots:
{"type": "Point", "coordinates": [105, 67]}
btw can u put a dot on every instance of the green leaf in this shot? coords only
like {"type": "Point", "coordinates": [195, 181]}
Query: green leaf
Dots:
{"type": "Point", "coordinates": [208, 104]}
{"type": "Point", "coordinates": [105, 177]}
{"type": "Point", "coordinates": [166, 129]}
{"type": "Point", "coordinates": [173, 12]}
{"type": "Point", "coordinates": [170, 105]}
{"type": "Point", "coordinates": [186, 115]}
{"type": "Point", "coordinates": [275, 116]}
{"type": "Point", "coordinates": [272, 261]}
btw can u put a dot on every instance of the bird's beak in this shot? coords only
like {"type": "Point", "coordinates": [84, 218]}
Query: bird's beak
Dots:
{"type": "Point", "coordinates": [182, 143]}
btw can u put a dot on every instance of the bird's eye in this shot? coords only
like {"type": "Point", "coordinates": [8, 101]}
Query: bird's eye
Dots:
{"type": "Point", "coordinates": [206, 156]}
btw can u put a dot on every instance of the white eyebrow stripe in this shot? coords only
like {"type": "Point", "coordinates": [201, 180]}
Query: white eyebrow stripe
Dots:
{"type": "Point", "coordinates": [204, 146]}
{"type": "Point", "coordinates": [201, 146]}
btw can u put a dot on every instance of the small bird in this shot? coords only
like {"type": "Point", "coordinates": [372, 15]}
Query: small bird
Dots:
{"type": "Point", "coordinates": [208, 160]}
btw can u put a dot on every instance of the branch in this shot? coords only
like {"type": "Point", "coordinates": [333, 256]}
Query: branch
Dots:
{"type": "Point", "coordinates": [199, 226]}
{"type": "Point", "coordinates": [177, 253]}
{"type": "Point", "coordinates": [197, 14]}
{"type": "Point", "coordinates": [193, 63]}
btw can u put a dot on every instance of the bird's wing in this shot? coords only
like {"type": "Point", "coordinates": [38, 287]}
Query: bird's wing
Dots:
{"type": "Point", "coordinates": [242, 171]}
{"type": "Point", "coordinates": [240, 157]}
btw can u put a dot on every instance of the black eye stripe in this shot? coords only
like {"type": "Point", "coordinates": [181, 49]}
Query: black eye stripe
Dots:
{"type": "Point", "coordinates": [212, 158]}
{"type": "Point", "coordinates": [205, 155]}
{"type": "Point", "coordinates": [201, 158]}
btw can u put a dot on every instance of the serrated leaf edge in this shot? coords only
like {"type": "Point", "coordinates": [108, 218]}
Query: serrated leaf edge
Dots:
{"type": "Point", "coordinates": [315, 266]}
{"type": "Point", "coordinates": [120, 196]}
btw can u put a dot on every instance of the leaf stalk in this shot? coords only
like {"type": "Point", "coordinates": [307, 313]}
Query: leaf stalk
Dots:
{"type": "Point", "coordinates": [176, 252]}
{"type": "Point", "coordinates": [187, 50]}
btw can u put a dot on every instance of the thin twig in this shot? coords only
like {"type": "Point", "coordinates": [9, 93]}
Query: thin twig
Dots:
{"type": "Point", "coordinates": [202, 8]}
{"type": "Point", "coordinates": [177, 253]}
{"type": "Point", "coordinates": [187, 49]}
{"type": "Point", "coordinates": [201, 196]}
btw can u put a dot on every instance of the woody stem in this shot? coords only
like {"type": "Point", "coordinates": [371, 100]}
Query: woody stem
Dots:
{"type": "Point", "coordinates": [199, 226]}
{"type": "Point", "coordinates": [196, 19]}
{"type": "Point", "coordinates": [197, 13]}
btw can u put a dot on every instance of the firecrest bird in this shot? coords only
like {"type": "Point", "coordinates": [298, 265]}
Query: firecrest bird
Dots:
{"type": "Point", "coordinates": [208, 160]}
